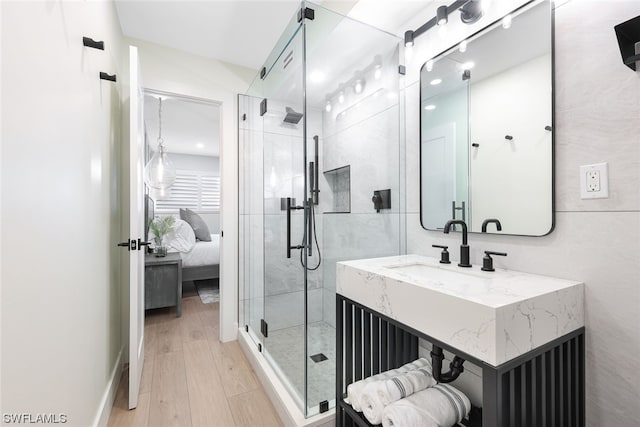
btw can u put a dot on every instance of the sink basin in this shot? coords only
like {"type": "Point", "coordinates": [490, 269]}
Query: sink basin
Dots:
{"type": "Point", "coordinates": [493, 316]}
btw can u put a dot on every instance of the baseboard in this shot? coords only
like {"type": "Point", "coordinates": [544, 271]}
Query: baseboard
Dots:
{"type": "Point", "coordinates": [283, 403]}
{"type": "Point", "coordinates": [106, 403]}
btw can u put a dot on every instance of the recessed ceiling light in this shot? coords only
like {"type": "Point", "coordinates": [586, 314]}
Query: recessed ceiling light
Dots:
{"type": "Point", "coordinates": [430, 107]}
{"type": "Point", "coordinates": [200, 145]}
{"type": "Point", "coordinates": [436, 82]}
{"type": "Point", "coordinates": [316, 76]}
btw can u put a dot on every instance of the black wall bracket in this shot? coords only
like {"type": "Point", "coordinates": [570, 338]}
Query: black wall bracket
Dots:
{"type": "Point", "coordinates": [109, 77]}
{"type": "Point", "coordinates": [89, 42]}
{"type": "Point", "coordinates": [306, 13]}
{"type": "Point", "coordinates": [628, 34]}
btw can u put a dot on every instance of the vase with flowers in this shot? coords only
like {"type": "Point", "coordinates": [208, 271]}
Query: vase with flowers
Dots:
{"type": "Point", "coordinates": [161, 227]}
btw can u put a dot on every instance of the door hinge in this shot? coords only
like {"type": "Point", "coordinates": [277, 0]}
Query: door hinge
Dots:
{"type": "Point", "coordinates": [324, 406]}
{"type": "Point", "coordinates": [306, 13]}
{"type": "Point", "coordinates": [246, 328]}
{"type": "Point", "coordinates": [260, 347]}
{"type": "Point", "coordinates": [264, 328]}
{"type": "Point", "coordinates": [263, 107]}
{"type": "Point", "coordinates": [263, 72]}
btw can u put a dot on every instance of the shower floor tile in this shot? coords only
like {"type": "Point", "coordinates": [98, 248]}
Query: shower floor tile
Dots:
{"type": "Point", "coordinates": [286, 348]}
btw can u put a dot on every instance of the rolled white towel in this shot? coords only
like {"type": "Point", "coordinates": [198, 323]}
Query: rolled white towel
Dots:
{"type": "Point", "coordinates": [354, 390]}
{"type": "Point", "coordinates": [438, 406]}
{"type": "Point", "coordinates": [376, 395]}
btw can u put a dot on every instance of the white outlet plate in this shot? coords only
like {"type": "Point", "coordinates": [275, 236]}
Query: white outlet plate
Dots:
{"type": "Point", "coordinates": [594, 181]}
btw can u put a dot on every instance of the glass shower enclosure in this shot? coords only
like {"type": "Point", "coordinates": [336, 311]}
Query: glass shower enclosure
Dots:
{"type": "Point", "coordinates": [320, 182]}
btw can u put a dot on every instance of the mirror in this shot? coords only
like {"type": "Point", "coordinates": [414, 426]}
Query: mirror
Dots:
{"type": "Point", "coordinates": [486, 137]}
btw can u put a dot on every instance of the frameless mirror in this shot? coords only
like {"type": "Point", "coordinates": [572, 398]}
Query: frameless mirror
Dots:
{"type": "Point", "coordinates": [486, 137]}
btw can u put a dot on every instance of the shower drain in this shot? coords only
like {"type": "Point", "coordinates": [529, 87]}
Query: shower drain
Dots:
{"type": "Point", "coordinates": [318, 357]}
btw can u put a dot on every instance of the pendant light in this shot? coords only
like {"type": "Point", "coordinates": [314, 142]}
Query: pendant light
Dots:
{"type": "Point", "coordinates": [159, 173]}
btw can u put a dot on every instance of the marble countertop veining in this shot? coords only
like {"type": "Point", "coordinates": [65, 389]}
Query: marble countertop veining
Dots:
{"type": "Point", "coordinates": [494, 316]}
{"type": "Point", "coordinates": [494, 289]}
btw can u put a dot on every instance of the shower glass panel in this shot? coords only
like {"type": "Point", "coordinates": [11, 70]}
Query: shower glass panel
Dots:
{"type": "Point", "coordinates": [328, 139]}
{"type": "Point", "coordinates": [285, 285]}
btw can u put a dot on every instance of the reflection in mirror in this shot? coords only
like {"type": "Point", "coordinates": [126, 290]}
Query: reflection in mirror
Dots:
{"type": "Point", "coordinates": [486, 148]}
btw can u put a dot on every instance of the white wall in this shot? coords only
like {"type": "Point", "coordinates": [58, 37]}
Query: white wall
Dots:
{"type": "Point", "coordinates": [61, 337]}
{"type": "Point", "coordinates": [195, 163]}
{"type": "Point", "coordinates": [170, 70]}
{"type": "Point", "coordinates": [512, 180]}
{"type": "Point", "coordinates": [595, 241]}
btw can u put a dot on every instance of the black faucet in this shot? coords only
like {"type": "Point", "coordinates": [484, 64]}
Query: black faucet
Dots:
{"type": "Point", "coordinates": [489, 221]}
{"type": "Point", "coordinates": [464, 248]}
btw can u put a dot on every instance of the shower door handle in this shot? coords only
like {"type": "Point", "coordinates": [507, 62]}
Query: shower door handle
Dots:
{"type": "Point", "coordinates": [289, 209]}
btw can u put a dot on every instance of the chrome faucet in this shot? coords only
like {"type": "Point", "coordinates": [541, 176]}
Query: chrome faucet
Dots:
{"type": "Point", "coordinates": [464, 247]}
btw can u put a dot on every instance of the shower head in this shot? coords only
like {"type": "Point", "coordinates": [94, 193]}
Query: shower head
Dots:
{"type": "Point", "coordinates": [292, 116]}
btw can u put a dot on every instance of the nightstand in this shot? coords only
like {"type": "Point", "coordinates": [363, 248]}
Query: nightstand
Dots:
{"type": "Point", "coordinates": [163, 281]}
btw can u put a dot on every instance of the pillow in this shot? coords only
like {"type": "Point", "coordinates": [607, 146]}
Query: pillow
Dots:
{"type": "Point", "coordinates": [197, 223]}
{"type": "Point", "coordinates": [182, 238]}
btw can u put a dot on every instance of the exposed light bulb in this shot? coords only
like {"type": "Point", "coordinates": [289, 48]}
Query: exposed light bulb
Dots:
{"type": "Point", "coordinates": [328, 107]}
{"type": "Point", "coordinates": [378, 73]}
{"type": "Point", "coordinates": [341, 97]}
{"type": "Point", "coordinates": [442, 15]}
{"type": "Point", "coordinates": [430, 65]}
{"type": "Point", "coordinates": [430, 107]}
{"type": "Point", "coordinates": [358, 86]}
{"type": "Point", "coordinates": [435, 82]}
{"type": "Point", "coordinates": [316, 76]}
{"type": "Point", "coordinates": [463, 46]}
{"type": "Point", "coordinates": [506, 22]}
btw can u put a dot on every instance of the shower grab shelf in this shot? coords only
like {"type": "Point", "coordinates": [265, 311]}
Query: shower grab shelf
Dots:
{"type": "Point", "coordinates": [544, 386]}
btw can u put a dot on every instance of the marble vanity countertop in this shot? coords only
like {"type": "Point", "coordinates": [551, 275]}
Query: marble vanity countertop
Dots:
{"type": "Point", "coordinates": [494, 316]}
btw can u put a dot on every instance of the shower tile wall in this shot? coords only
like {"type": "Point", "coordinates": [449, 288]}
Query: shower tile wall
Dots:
{"type": "Point", "coordinates": [363, 136]}
{"type": "Point", "coordinates": [283, 176]}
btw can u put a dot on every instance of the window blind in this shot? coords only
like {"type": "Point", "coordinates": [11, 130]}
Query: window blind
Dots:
{"type": "Point", "coordinates": [194, 190]}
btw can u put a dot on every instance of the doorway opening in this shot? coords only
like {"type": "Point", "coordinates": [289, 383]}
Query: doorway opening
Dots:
{"type": "Point", "coordinates": [182, 223]}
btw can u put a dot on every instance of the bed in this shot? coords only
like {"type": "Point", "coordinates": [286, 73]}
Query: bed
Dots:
{"type": "Point", "coordinates": [203, 261]}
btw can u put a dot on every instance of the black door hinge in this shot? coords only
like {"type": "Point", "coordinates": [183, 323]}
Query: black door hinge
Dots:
{"type": "Point", "coordinates": [264, 328]}
{"type": "Point", "coordinates": [246, 328]}
{"type": "Point", "coordinates": [221, 233]}
{"type": "Point", "coordinates": [263, 72]}
{"type": "Point", "coordinates": [244, 117]}
{"type": "Point", "coordinates": [306, 13]}
{"type": "Point", "coordinates": [324, 406]}
{"type": "Point", "coordinates": [260, 347]}
{"type": "Point", "coordinates": [263, 107]}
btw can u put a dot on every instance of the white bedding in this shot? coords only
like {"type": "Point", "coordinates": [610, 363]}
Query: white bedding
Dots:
{"type": "Point", "coordinates": [203, 253]}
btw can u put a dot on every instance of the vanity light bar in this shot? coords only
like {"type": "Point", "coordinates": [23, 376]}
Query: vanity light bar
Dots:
{"type": "Point", "coordinates": [440, 19]}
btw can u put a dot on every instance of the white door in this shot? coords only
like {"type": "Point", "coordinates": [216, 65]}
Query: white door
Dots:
{"type": "Point", "coordinates": [136, 227]}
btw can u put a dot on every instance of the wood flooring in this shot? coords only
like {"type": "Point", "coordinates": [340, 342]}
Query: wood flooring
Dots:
{"type": "Point", "coordinates": [190, 378]}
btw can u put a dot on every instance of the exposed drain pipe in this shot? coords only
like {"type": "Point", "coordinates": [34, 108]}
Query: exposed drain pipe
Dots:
{"type": "Point", "coordinates": [455, 367]}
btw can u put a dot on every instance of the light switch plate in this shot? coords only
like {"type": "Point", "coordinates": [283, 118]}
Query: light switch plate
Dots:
{"type": "Point", "coordinates": [594, 181]}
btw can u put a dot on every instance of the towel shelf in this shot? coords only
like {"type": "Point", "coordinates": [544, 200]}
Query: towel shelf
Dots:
{"type": "Point", "coordinates": [542, 387]}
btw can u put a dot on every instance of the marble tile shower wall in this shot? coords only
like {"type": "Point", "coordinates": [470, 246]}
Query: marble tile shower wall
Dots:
{"type": "Point", "coordinates": [595, 241]}
{"type": "Point", "coordinates": [366, 138]}
{"type": "Point", "coordinates": [274, 168]}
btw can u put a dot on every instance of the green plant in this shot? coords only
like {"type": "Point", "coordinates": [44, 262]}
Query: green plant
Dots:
{"type": "Point", "coordinates": [161, 226]}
